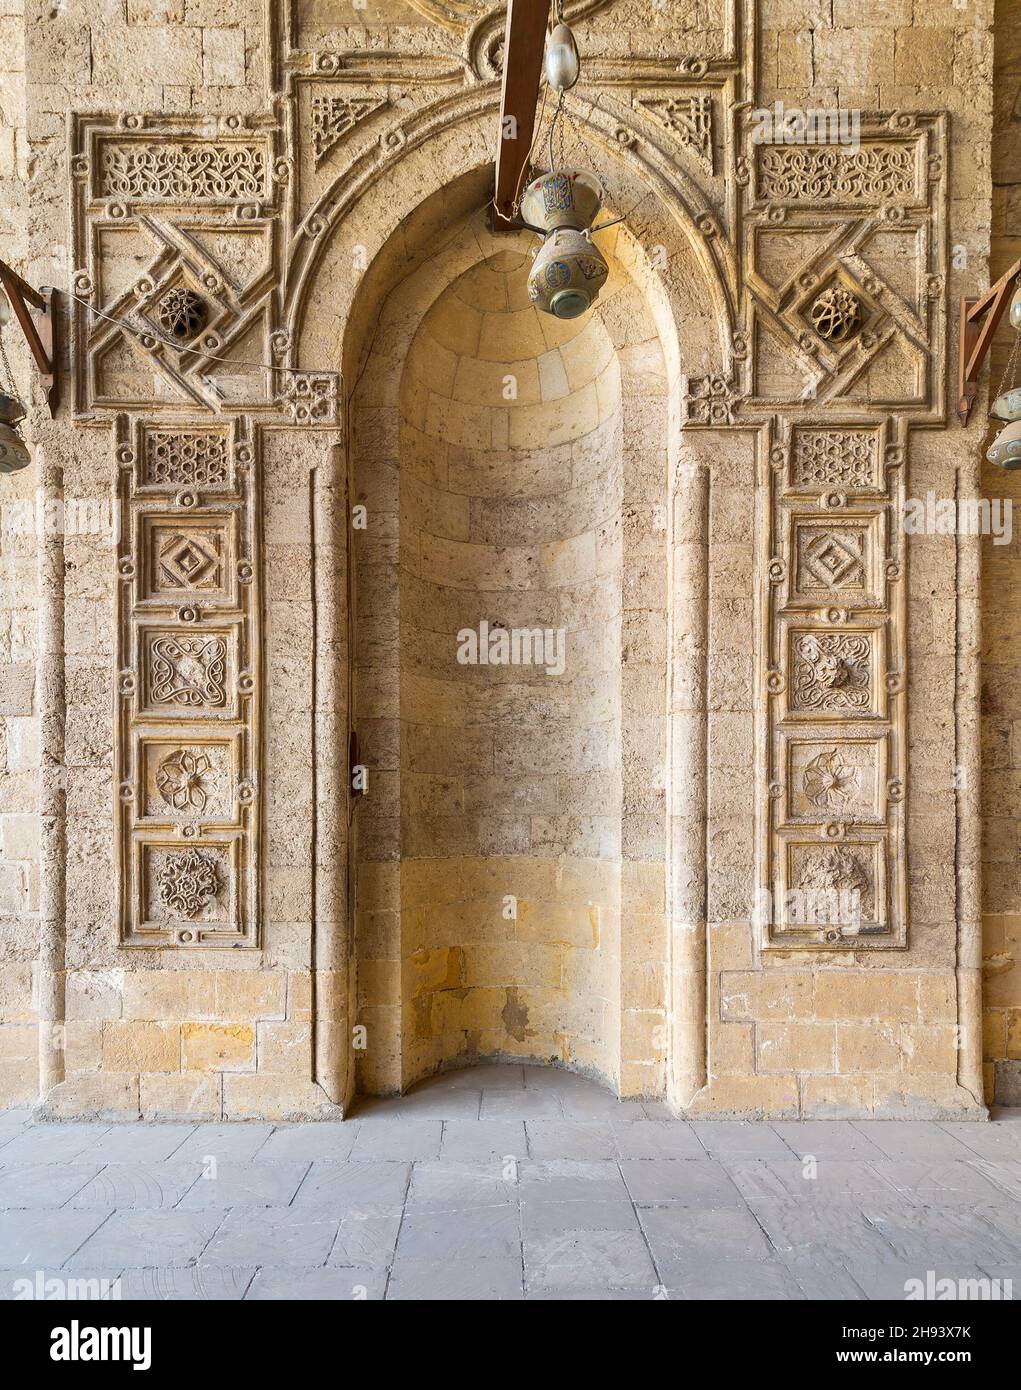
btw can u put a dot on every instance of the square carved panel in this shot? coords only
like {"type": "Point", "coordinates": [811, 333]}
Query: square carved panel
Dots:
{"type": "Point", "coordinates": [831, 892]}
{"type": "Point", "coordinates": [190, 670]}
{"type": "Point", "coordinates": [187, 559]}
{"type": "Point", "coordinates": [834, 775]}
{"type": "Point", "coordinates": [835, 671]}
{"type": "Point", "coordinates": [187, 777]}
{"type": "Point", "coordinates": [836, 559]}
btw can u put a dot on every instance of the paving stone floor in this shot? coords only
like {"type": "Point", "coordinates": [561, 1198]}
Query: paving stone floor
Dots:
{"type": "Point", "coordinates": [508, 1182]}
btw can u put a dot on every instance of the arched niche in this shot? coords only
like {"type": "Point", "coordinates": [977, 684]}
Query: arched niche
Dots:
{"type": "Point", "coordinates": [429, 995]}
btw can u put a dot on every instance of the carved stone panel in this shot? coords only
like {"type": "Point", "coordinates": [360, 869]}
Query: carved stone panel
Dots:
{"type": "Point", "coordinates": [188, 736]}
{"type": "Point", "coordinates": [831, 844]}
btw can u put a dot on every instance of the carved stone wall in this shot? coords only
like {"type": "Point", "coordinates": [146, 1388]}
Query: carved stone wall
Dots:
{"type": "Point", "coordinates": [254, 209]}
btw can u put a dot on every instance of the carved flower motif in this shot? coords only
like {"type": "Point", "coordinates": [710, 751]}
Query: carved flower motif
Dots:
{"type": "Point", "coordinates": [187, 883]}
{"type": "Point", "coordinates": [184, 780]}
{"type": "Point", "coordinates": [829, 781]}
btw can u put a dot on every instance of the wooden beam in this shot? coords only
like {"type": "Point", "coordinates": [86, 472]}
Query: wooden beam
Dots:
{"type": "Point", "coordinates": [980, 318]}
{"type": "Point", "coordinates": [524, 45]}
{"type": "Point", "coordinates": [30, 305]}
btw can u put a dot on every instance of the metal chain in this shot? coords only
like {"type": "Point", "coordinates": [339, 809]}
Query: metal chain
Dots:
{"type": "Point", "coordinates": [1010, 370]}
{"type": "Point", "coordinates": [9, 382]}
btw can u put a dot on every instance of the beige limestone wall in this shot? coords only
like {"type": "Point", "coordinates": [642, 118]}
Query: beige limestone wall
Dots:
{"type": "Point", "coordinates": [1001, 787]}
{"type": "Point", "coordinates": [510, 776]}
{"type": "Point", "coordinates": [19, 713]}
{"type": "Point", "coordinates": [320, 269]}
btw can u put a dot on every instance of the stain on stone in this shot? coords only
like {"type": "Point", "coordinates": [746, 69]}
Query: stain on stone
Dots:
{"type": "Point", "coordinates": [515, 1016]}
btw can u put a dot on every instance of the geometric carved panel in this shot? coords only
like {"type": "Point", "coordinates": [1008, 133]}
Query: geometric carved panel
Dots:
{"type": "Point", "coordinates": [830, 848]}
{"type": "Point", "coordinates": [186, 559]}
{"type": "Point", "coordinates": [187, 669]}
{"type": "Point", "coordinates": [836, 560]}
{"type": "Point", "coordinates": [189, 733]}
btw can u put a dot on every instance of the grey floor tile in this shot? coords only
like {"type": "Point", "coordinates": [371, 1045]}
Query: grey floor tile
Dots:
{"type": "Point", "coordinates": [558, 1079]}
{"type": "Point", "coordinates": [457, 1281]}
{"type": "Point", "coordinates": [366, 1240]}
{"type": "Point", "coordinates": [50, 1143]}
{"type": "Point", "coordinates": [912, 1139]}
{"type": "Point", "coordinates": [480, 1178]}
{"type": "Point", "coordinates": [484, 1139]}
{"type": "Point", "coordinates": [835, 1139]}
{"type": "Point", "coordinates": [535, 1293]}
{"type": "Point", "coordinates": [12, 1121]}
{"type": "Point", "coordinates": [535, 1104]}
{"type": "Point", "coordinates": [809, 1179]}
{"type": "Point", "coordinates": [43, 1184]}
{"type": "Point", "coordinates": [471, 1233]}
{"type": "Point", "coordinates": [566, 1259]}
{"type": "Point", "coordinates": [543, 1218]}
{"type": "Point", "coordinates": [330, 1139]}
{"type": "Point", "coordinates": [739, 1139]}
{"type": "Point", "coordinates": [255, 1184]}
{"type": "Point", "coordinates": [1007, 1285]}
{"type": "Point", "coordinates": [909, 1281]}
{"type": "Point", "coordinates": [136, 1143]}
{"type": "Point", "coordinates": [959, 1234]}
{"type": "Point", "coordinates": [393, 1139]}
{"type": "Point", "coordinates": [424, 1103]}
{"type": "Point", "coordinates": [1004, 1174]}
{"type": "Point", "coordinates": [237, 1142]}
{"type": "Point", "coordinates": [452, 1186]}
{"type": "Point", "coordinates": [949, 1183]}
{"type": "Point", "coordinates": [374, 1188]}
{"type": "Point", "coordinates": [997, 1140]}
{"type": "Point", "coordinates": [157, 1237]}
{"type": "Point", "coordinates": [567, 1180]}
{"type": "Point", "coordinates": [656, 1139]}
{"type": "Point", "coordinates": [692, 1182]}
{"type": "Point", "coordinates": [199, 1283]}
{"type": "Point", "coordinates": [735, 1281]}
{"type": "Point", "coordinates": [352, 1284]}
{"type": "Point", "coordinates": [589, 1104]}
{"type": "Point", "coordinates": [506, 1076]}
{"type": "Point", "coordinates": [826, 1280]}
{"type": "Point", "coordinates": [41, 1238]}
{"type": "Point", "coordinates": [275, 1236]}
{"type": "Point", "coordinates": [802, 1232]}
{"type": "Point", "coordinates": [581, 1139]}
{"type": "Point", "coordinates": [134, 1186]}
{"type": "Point", "coordinates": [681, 1236]}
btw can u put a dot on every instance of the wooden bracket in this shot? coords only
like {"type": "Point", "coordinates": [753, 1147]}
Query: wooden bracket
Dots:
{"type": "Point", "coordinates": [980, 318]}
{"type": "Point", "coordinates": [523, 49]}
{"type": "Point", "coordinates": [35, 311]}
